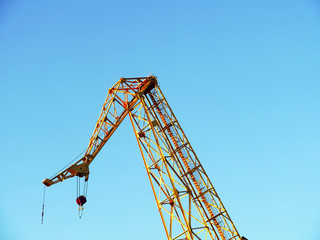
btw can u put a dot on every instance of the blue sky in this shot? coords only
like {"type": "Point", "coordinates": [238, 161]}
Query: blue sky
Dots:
{"type": "Point", "coordinates": [242, 77]}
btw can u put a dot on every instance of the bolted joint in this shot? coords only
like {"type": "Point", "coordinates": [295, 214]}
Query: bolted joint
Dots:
{"type": "Point", "coordinates": [141, 134]}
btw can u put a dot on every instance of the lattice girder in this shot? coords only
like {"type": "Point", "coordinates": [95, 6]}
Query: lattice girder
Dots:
{"type": "Point", "coordinates": [188, 204]}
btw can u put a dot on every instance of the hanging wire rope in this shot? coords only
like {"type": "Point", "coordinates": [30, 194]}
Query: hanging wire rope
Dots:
{"type": "Point", "coordinates": [81, 198]}
{"type": "Point", "coordinates": [85, 188]}
{"type": "Point", "coordinates": [78, 186]}
{"type": "Point", "coordinates": [44, 195]}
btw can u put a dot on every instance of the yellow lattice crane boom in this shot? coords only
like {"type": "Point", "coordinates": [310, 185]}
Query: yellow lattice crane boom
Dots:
{"type": "Point", "coordinates": [188, 204]}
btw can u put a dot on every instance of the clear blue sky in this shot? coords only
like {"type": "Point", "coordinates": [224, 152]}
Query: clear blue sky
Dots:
{"type": "Point", "coordinates": [242, 77]}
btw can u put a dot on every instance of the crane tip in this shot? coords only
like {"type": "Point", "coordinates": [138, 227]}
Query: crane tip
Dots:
{"type": "Point", "coordinates": [47, 182]}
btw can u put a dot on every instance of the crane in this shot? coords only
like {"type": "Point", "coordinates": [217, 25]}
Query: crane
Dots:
{"type": "Point", "coordinates": [189, 205]}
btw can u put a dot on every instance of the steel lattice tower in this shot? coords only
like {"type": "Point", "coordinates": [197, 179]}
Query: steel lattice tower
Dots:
{"type": "Point", "coordinates": [188, 204]}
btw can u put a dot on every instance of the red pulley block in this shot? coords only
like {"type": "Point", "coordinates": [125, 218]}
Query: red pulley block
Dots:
{"type": "Point", "coordinates": [81, 200]}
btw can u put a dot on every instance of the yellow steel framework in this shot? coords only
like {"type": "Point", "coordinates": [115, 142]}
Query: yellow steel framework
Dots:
{"type": "Point", "coordinates": [188, 204]}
